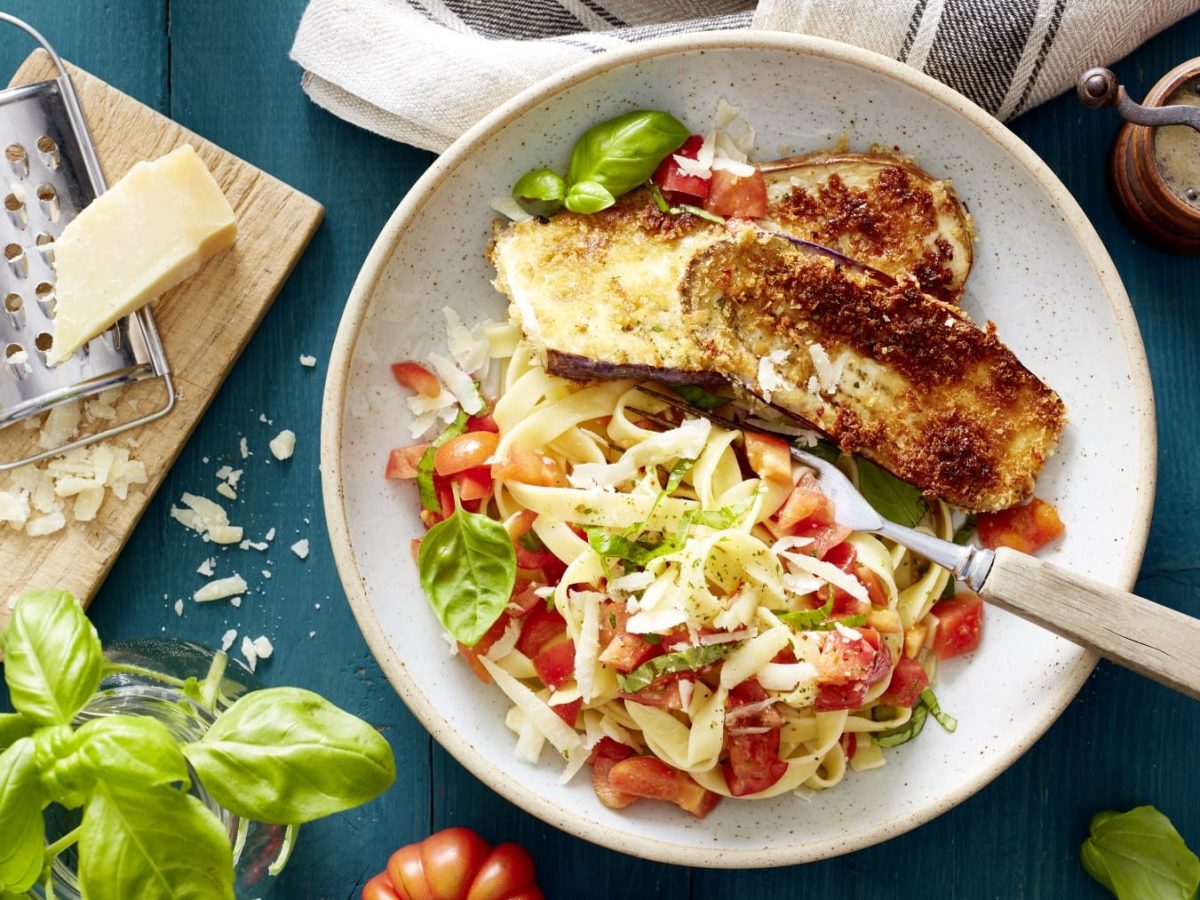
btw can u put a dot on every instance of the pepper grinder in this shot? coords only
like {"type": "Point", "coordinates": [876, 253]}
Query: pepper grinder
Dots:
{"type": "Point", "coordinates": [1156, 156]}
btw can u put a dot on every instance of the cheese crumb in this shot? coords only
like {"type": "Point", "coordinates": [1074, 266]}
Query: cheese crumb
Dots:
{"type": "Point", "coordinates": [235, 601]}
{"type": "Point", "coordinates": [220, 589]}
{"type": "Point", "coordinates": [226, 491]}
{"type": "Point", "coordinates": [266, 573]}
{"type": "Point", "coordinates": [283, 445]}
{"type": "Point", "coordinates": [253, 545]}
{"type": "Point", "coordinates": [307, 361]}
{"type": "Point", "coordinates": [263, 647]}
{"type": "Point", "coordinates": [228, 638]}
{"type": "Point", "coordinates": [179, 607]}
{"type": "Point", "coordinates": [250, 653]}
{"type": "Point", "coordinates": [244, 447]}
{"type": "Point", "coordinates": [270, 534]}
{"type": "Point", "coordinates": [300, 548]}
{"type": "Point", "coordinates": [311, 635]}
{"type": "Point", "coordinates": [206, 568]}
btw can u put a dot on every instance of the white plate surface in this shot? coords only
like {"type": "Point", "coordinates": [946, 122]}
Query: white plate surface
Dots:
{"type": "Point", "coordinates": [1040, 273]}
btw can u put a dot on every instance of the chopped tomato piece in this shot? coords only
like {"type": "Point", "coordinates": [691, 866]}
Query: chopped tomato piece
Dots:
{"type": "Point", "coordinates": [526, 599]}
{"type": "Point", "coordinates": [832, 697]}
{"type": "Point", "coordinates": [609, 795]}
{"type": "Point", "coordinates": [540, 627]}
{"type": "Point", "coordinates": [805, 502]}
{"type": "Point", "coordinates": [607, 747]}
{"type": "Point", "coordinates": [909, 678]}
{"type": "Point", "coordinates": [1026, 528]}
{"type": "Point", "coordinates": [754, 764]}
{"type": "Point", "coordinates": [769, 457]}
{"type": "Point", "coordinates": [527, 467]}
{"type": "Point", "coordinates": [467, 451]}
{"type": "Point", "coordinates": [875, 591]}
{"type": "Point", "coordinates": [556, 664]}
{"type": "Point", "coordinates": [625, 652]}
{"type": "Point", "coordinates": [663, 693]}
{"type": "Point", "coordinates": [670, 175]}
{"type": "Point", "coordinates": [825, 537]}
{"type": "Point", "coordinates": [568, 712]}
{"type": "Point", "coordinates": [402, 462]}
{"type": "Point", "coordinates": [845, 660]}
{"type": "Point", "coordinates": [474, 484]}
{"type": "Point", "coordinates": [483, 422]}
{"type": "Point", "coordinates": [745, 694]}
{"type": "Point", "coordinates": [737, 197]}
{"type": "Point", "coordinates": [960, 625]}
{"type": "Point", "coordinates": [416, 377]}
{"type": "Point", "coordinates": [472, 660]}
{"type": "Point", "coordinates": [849, 742]}
{"type": "Point", "coordinates": [646, 776]}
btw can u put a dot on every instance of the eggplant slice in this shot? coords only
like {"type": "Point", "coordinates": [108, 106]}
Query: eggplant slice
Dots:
{"type": "Point", "coordinates": [888, 372]}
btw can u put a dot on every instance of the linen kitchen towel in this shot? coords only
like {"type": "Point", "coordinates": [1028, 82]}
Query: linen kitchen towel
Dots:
{"type": "Point", "coordinates": [424, 71]}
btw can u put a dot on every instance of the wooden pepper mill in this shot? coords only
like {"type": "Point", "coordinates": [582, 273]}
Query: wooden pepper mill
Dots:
{"type": "Point", "coordinates": [1156, 157]}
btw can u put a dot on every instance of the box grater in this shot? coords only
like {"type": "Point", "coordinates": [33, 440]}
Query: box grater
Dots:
{"type": "Point", "coordinates": [49, 172]}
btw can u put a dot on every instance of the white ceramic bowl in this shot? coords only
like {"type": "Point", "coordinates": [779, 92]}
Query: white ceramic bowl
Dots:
{"type": "Point", "coordinates": [1040, 273]}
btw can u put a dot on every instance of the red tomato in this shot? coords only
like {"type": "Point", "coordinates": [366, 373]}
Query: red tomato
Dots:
{"type": "Point", "coordinates": [457, 864]}
{"type": "Point", "coordinates": [664, 693]}
{"type": "Point", "coordinates": [805, 502]}
{"type": "Point", "coordinates": [402, 462]}
{"type": "Point", "coordinates": [540, 627]}
{"type": "Point", "coordinates": [467, 451]}
{"type": "Point", "coordinates": [671, 178]}
{"type": "Point", "coordinates": [875, 591]}
{"type": "Point", "coordinates": [507, 874]}
{"type": "Point", "coordinates": [416, 377]}
{"type": "Point", "coordinates": [1026, 528]}
{"type": "Point", "coordinates": [380, 888]}
{"type": "Point", "coordinates": [844, 556]}
{"type": "Point", "coordinates": [745, 694]}
{"type": "Point", "coordinates": [471, 658]}
{"type": "Point", "coordinates": [754, 764]}
{"type": "Point", "coordinates": [825, 537]}
{"type": "Point", "coordinates": [832, 697]}
{"type": "Point", "coordinates": [483, 422]}
{"type": "Point", "coordinates": [556, 664]}
{"type": "Point", "coordinates": [960, 625]}
{"type": "Point", "coordinates": [607, 794]}
{"type": "Point", "coordinates": [909, 678]}
{"type": "Point", "coordinates": [844, 660]}
{"type": "Point", "coordinates": [647, 776]}
{"type": "Point", "coordinates": [527, 467]}
{"type": "Point", "coordinates": [568, 712]}
{"type": "Point", "coordinates": [526, 598]}
{"type": "Point", "coordinates": [849, 742]}
{"type": "Point", "coordinates": [625, 652]}
{"type": "Point", "coordinates": [474, 484]}
{"type": "Point", "coordinates": [769, 457]}
{"type": "Point", "coordinates": [737, 197]}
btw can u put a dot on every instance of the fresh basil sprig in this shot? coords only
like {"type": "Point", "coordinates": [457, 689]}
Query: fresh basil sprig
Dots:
{"type": "Point", "coordinates": [1138, 855]}
{"type": "Point", "coordinates": [687, 660]}
{"type": "Point", "coordinates": [143, 834]}
{"type": "Point", "coordinates": [610, 159]}
{"type": "Point", "coordinates": [541, 191]}
{"type": "Point", "coordinates": [468, 567]}
{"type": "Point", "coordinates": [892, 498]}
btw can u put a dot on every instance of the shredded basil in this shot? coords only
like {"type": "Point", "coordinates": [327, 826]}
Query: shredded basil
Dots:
{"type": "Point", "coordinates": [818, 619]}
{"type": "Point", "coordinates": [906, 732]}
{"type": "Point", "coordinates": [965, 531]}
{"type": "Point", "coordinates": [946, 721]}
{"type": "Point", "coordinates": [687, 660]}
{"type": "Point", "coordinates": [425, 487]}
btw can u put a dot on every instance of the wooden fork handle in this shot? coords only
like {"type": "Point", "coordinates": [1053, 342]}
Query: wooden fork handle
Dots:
{"type": "Point", "coordinates": [1154, 641]}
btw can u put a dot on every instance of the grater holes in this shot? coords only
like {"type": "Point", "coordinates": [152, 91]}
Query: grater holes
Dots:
{"type": "Point", "coordinates": [18, 161]}
{"type": "Point", "coordinates": [17, 261]}
{"type": "Point", "coordinates": [16, 356]}
{"type": "Point", "coordinates": [43, 341]}
{"type": "Point", "coordinates": [46, 298]}
{"type": "Point", "coordinates": [45, 243]}
{"type": "Point", "coordinates": [48, 198]}
{"type": "Point", "coordinates": [12, 350]}
{"type": "Point", "coordinates": [48, 150]}
{"type": "Point", "coordinates": [15, 308]}
{"type": "Point", "coordinates": [15, 207]}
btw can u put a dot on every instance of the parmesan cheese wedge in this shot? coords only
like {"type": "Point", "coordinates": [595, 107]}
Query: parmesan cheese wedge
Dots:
{"type": "Point", "coordinates": [150, 231]}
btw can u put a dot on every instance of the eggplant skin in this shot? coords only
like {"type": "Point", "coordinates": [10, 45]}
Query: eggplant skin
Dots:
{"type": "Point", "coordinates": [880, 209]}
{"type": "Point", "coordinates": [891, 373]}
{"type": "Point", "coordinates": [583, 368]}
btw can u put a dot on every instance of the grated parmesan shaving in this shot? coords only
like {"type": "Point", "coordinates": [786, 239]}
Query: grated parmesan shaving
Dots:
{"type": "Point", "coordinates": [220, 589]}
{"type": "Point", "coordinates": [458, 383]}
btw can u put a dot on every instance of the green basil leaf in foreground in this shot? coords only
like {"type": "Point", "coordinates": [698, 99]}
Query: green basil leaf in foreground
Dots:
{"type": "Point", "coordinates": [13, 727]}
{"type": "Point", "coordinates": [892, 498]}
{"type": "Point", "coordinates": [288, 756]}
{"type": "Point", "coordinates": [131, 752]}
{"type": "Point", "coordinates": [157, 844]}
{"type": "Point", "coordinates": [687, 660]}
{"type": "Point", "coordinates": [52, 657]}
{"type": "Point", "coordinates": [588, 197]}
{"type": "Point", "coordinates": [623, 152]}
{"type": "Point", "coordinates": [1138, 855]}
{"type": "Point", "coordinates": [467, 567]}
{"type": "Point", "coordinates": [425, 487]}
{"type": "Point", "coordinates": [22, 849]}
{"type": "Point", "coordinates": [540, 191]}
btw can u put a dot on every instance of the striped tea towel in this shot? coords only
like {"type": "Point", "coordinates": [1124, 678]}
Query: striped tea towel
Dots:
{"type": "Point", "coordinates": [424, 71]}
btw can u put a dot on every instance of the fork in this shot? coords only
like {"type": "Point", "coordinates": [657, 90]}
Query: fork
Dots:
{"type": "Point", "coordinates": [1152, 640]}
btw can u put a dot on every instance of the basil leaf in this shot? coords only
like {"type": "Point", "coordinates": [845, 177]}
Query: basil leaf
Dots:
{"type": "Point", "coordinates": [425, 486]}
{"type": "Point", "coordinates": [156, 844]}
{"type": "Point", "coordinates": [929, 700]}
{"type": "Point", "coordinates": [52, 657]}
{"type": "Point", "coordinates": [623, 152]}
{"type": "Point", "coordinates": [687, 660]}
{"type": "Point", "coordinates": [468, 568]}
{"type": "Point", "coordinates": [823, 449]}
{"type": "Point", "coordinates": [674, 480]}
{"type": "Point", "coordinates": [618, 546]}
{"type": "Point", "coordinates": [63, 780]}
{"type": "Point", "coordinates": [892, 498]}
{"type": "Point", "coordinates": [699, 397]}
{"type": "Point", "coordinates": [13, 727]}
{"type": "Point", "coordinates": [1138, 855]}
{"type": "Point", "coordinates": [22, 852]}
{"type": "Point", "coordinates": [965, 531]}
{"type": "Point", "coordinates": [130, 752]}
{"type": "Point", "coordinates": [540, 191]}
{"type": "Point", "coordinates": [588, 197]}
{"type": "Point", "coordinates": [906, 732]}
{"type": "Point", "coordinates": [818, 619]}
{"type": "Point", "coordinates": [288, 756]}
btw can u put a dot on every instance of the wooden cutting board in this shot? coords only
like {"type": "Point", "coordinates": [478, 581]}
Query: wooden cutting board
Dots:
{"type": "Point", "coordinates": [204, 323]}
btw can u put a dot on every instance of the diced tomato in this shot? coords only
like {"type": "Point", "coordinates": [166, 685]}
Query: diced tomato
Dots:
{"type": "Point", "coordinates": [609, 795]}
{"type": "Point", "coordinates": [556, 664]}
{"type": "Point", "coordinates": [526, 599]}
{"type": "Point", "coordinates": [568, 712]}
{"type": "Point", "coordinates": [534, 559]}
{"type": "Point", "coordinates": [416, 377]}
{"type": "Point", "coordinates": [527, 467]}
{"type": "Point", "coordinates": [402, 462]}
{"type": "Point", "coordinates": [805, 502]}
{"type": "Point", "coordinates": [625, 652]}
{"type": "Point", "coordinates": [754, 764]}
{"type": "Point", "coordinates": [844, 660]}
{"type": "Point", "coordinates": [1026, 528]}
{"type": "Point", "coordinates": [825, 537]}
{"type": "Point", "coordinates": [909, 678]}
{"type": "Point", "coordinates": [607, 747]}
{"type": "Point", "coordinates": [474, 484]}
{"type": "Point", "coordinates": [737, 197]}
{"type": "Point", "coordinates": [746, 694]}
{"type": "Point", "coordinates": [646, 776]}
{"type": "Point", "coordinates": [960, 625]}
{"type": "Point", "coordinates": [844, 556]}
{"type": "Point", "coordinates": [671, 178]}
{"type": "Point", "coordinates": [832, 697]}
{"type": "Point", "coordinates": [467, 451]}
{"type": "Point", "coordinates": [663, 694]}
{"type": "Point", "coordinates": [849, 742]}
{"type": "Point", "coordinates": [539, 628]}
{"type": "Point", "coordinates": [472, 659]}
{"type": "Point", "coordinates": [483, 422]}
{"type": "Point", "coordinates": [769, 457]}
{"type": "Point", "coordinates": [875, 592]}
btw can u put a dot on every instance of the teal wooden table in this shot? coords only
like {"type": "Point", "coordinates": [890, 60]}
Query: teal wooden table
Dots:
{"type": "Point", "coordinates": [220, 67]}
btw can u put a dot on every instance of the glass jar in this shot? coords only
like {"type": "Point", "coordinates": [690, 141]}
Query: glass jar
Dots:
{"type": "Point", "coordinates": [146, 679]}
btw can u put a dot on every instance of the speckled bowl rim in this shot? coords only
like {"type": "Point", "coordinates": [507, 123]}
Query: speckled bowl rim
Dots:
{"type": "Point", "coordinates": [373, 270]}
